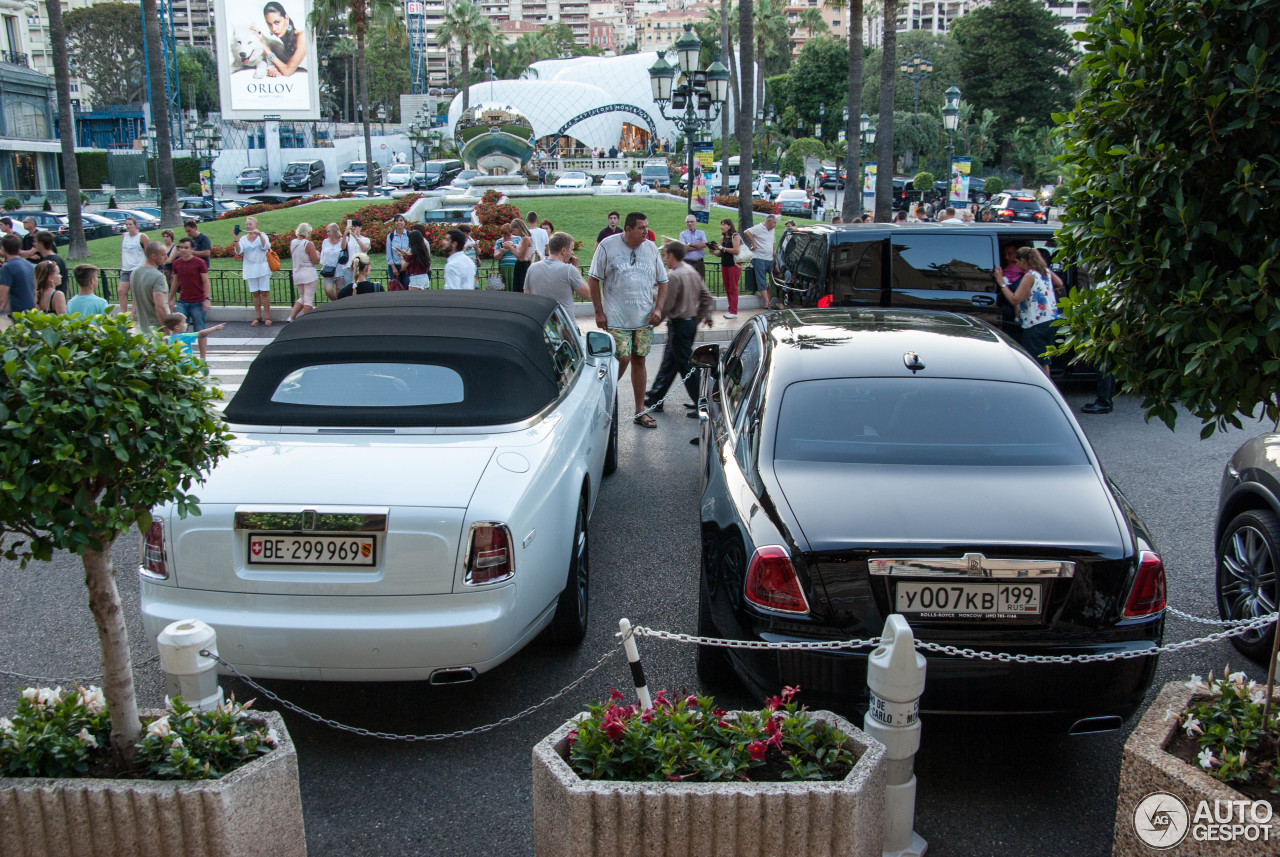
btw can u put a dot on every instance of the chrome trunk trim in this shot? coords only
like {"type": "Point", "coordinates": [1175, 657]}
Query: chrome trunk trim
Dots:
{"type": "Point", "coordinates": [319, 519]}
{"type": "Point", "coordinates": [971, 565]}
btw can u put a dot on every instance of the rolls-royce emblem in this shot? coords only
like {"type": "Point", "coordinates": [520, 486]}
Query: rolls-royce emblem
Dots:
{"type": "Point", "coordinates": [973, 561]}
{"type": "Point", "coordinates": [308, 519]}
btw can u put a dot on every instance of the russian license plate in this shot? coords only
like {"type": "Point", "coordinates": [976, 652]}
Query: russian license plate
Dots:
{"type": "Point", "coordinates": [277, 549]}
{"type": "Point", "coordinates": [939, 600]}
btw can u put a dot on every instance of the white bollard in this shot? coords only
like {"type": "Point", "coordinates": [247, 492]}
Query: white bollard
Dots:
{"type": "Point", "coordinates": [637, 670]}
{"type": "Point", "coordinates": [895, 677]}
{"type": "Point", "coordinates": [188, 673]}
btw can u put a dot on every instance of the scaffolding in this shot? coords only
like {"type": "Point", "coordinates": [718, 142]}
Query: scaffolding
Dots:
{"type": "Point", "coordinates": [416, 23]}
{"type": "Point", "coordinates": [169, 60]}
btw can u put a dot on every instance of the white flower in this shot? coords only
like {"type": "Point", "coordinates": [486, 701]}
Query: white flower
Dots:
{"type": "Point", "coordinates": [87, 738]}
{"type": "Point", "coordinates": [30, 694]}
{"type": "Point", "coordinates": [1169, 712]}
{"type": "Point", "coordinates": [46, 696]}
{"type": "Point", "coordinates": [177, 743]}
{"type": "Point", "coordinates": [1193, 727]}
{"type": "Point", "coordinates": [160, 728]}
{"type": "Point", "coordinates": [1196, 682]}
{"type": "Point", "coordinates": [1257, 697]}
{"type": "Point", "coordinates": [1242, 752]}
{"type": "Point", "coordinates": [6, 725]}
{"type": "Point", "coordinates": [1237, 677]}
{"type": "Point", "coordinates": [273, 737]}
{"type": "Point", "coordinates": [1206, 759]}
{"type": "Point", "coordinates": [168, 703]}
{"type": "Point", "coordinates": [237, 739]}
{"type": "Point", "coordinates": [94, 699]}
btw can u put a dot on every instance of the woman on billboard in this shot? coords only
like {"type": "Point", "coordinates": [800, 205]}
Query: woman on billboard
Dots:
{"type": "Point", "coordinates": [284, 45]}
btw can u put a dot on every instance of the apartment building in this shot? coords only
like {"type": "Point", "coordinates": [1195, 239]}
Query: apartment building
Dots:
{"type": "Point", "coordinates": [658, 31]}
{"type": "Point", "coordinates": [936, 16]}
{"type": "Point", "coordinates": [836, 20]}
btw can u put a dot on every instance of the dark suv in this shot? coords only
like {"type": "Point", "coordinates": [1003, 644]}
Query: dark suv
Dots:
{"type": "Point", "coordinates": [1015, 205]}
{"type": "Point", "coordinates": [927, 266]}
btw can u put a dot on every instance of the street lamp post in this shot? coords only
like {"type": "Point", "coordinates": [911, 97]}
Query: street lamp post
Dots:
{"type": "Point", "coordinates": [206, 144]}
{"type": "Point", "coordinates": [696, 102]}
{"type": "Point", "coordinates": [822, 114]}
{"type": "Point", "coordinates": [868, 132]}
{"type": "Point", "coordinates": [916, 70]}
{"type": "Point", "coordinates": [950, 119]}
{"type": "Point", "coordinates": [153, 152]}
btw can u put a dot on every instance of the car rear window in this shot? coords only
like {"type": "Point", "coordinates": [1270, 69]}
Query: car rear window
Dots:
{"type": "Point", "coordinates": [1023, 204]}
{"type": "Point", "coordinates": [370, 385]}
{"type": "Point", "coordinates": [927, 421]}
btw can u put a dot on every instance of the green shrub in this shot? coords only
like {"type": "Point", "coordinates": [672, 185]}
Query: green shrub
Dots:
{"type": "Point", "coordinates": [922, 181]}
{"type": "Point", "coordinates": [12, 202]}
{"type": "Point", "coordinates": [48, 206]}
{"type": "Point", "coordinates": [111, 201]}
{"type": "Point", "coordinates": [92, 168]}
{"type": "Point", "coordinates": [992, 185]}
{"type": "Point", "coordinates": [193, 189]}
{"type": "Point", "coordinates": [1172, 204]}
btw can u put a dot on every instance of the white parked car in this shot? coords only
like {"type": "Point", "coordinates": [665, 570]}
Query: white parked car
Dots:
{"type": "Point", "coordinates": [408, 493]}
{"type": "Point", "coordinates": [617, 181]}
{"type": "Point", "coordinates": [574, 178]}
{"type": "Point", "coordinates": [399, 175]}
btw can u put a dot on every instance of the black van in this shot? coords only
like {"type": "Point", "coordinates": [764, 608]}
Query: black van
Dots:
{"type": "Point", "coordinates": [924, 266]}
{"type": "Point", "coordinates": [302, 175]}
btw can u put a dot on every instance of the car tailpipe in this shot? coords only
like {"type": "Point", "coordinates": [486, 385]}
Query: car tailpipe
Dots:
{"type": "Point", "coordinates": [453, 675]}
{"type": "Point", "coordinates": [1090, 725]}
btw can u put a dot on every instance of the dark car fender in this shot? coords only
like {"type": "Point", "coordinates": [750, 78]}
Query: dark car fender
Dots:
{"type": "Point", "coordinates": [1254, 488]}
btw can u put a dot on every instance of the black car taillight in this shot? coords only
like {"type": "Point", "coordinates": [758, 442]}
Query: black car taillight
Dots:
{"type": "Point", "coordinates": [1148, 593]}
{"type": "Point", "coordinates": [772, 583]}
{"type": "Point", "coordinates": [489, 554]}
{"type": "Point", "coordinates": [154, 562]}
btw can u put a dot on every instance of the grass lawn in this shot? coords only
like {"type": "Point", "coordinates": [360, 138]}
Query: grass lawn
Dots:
{"type": "Point", "coordinates": [581, 217]}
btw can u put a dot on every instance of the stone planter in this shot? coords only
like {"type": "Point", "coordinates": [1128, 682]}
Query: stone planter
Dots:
{"type": "Point", "coordinates": [585, 818]}
{"type": "Point", "coordinates": [1146, 768]}
{"type": "Point", "coordinates": [254, 810]}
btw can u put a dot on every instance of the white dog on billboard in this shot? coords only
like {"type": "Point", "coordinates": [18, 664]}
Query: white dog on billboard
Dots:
{"type": "Point", "coordinates": [249, 50]}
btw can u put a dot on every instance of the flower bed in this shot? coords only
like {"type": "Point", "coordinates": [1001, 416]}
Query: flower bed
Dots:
{"type": "Point", "coordinates": [260, 207]}
{"type": "Point", "coordinates": [764, 206]}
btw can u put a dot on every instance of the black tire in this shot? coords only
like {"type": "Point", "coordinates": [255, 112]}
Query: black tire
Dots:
{"type": "Point", "coordinates": [1248, 562]}
{"type": "Point", "coordinates": [712, 661]}
{"type": "Point", "coordinates": [569, 625]}
{"type": "Point", "coordinates": [611, 453]}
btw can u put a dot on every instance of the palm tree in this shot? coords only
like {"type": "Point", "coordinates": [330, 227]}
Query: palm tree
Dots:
{"type": "Point", "coordinates": [884, 128]}
{"type": "Point", "coordinates": [169, 213]}
{"type": "Point", "coordinates": [852, 204]}
{"type": "Point", "coordinates": [770, 28]}
{"type": "Point", "coordinates": [746, 109]}
{"type": "Point", "coordinates": [811, 20]}
{"type": "Point", "coordinates": [726, 50]}
{"type": "Point", "coordinates": [359, 13]}
{"type": "Point", "coordinates": [70, 175]}
{"type": "Point", "coordinates": [467, 25]}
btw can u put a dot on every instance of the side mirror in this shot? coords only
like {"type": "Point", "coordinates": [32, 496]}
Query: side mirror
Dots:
{"type": "Point", "coordinates": [707, 357]}
{"type": "Point", "coordinates": [599, 344]}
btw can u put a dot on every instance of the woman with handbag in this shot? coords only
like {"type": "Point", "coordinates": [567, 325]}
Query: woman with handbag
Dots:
{"type": "Point", "coordinates": [330, 249]}
{"type": "Point", "coordinates": [305, 256]}
{"type": "Point", "coordinates": [524, 251]}
{"type": "Point", "coordinates": [416, 263]}
{"type": "Point", "coordinates": [730, 272]}
{"type": "Point", "coordinates": [504, 250]}
{"type": "Point", "coordinates": [397, 249]}
{"type": "Point", "coordinates": [252, 248]}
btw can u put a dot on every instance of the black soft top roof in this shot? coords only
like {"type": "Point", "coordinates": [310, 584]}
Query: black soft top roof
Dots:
{"type": "Point", "coordinates": [494, 340]}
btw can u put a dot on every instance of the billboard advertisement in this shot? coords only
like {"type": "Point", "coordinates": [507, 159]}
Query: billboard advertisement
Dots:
{"type": "Point", "coordinates": [267, 63]}
{"type": "Point", "coordinates": [960, 169]}
{"type": "Point", "coordinates": [869, 179]}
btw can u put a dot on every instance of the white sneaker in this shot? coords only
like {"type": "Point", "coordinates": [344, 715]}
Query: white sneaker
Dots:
{"type": "Point", "coordinates": [731, 315]}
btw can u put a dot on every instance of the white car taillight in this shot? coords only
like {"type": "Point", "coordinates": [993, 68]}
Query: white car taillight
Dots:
{"type": "Point", "coordinates": [154, 562]}
{"type": "Point", "coordinates": [772, 583]}
{"type": "Point", "coordinates": [489, 554]}
{"type": "Point", "coordinates": [1148, 593]}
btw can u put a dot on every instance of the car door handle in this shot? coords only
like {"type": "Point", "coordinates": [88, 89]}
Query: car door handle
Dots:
{"type": "Point", "coordinates": [704, 410]}
{"type": "Point", "coordinates": [983, 300]}
{"type": "Point", "coordinates": [601, 372]}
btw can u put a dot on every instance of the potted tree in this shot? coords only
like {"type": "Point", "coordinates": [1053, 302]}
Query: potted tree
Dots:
{"type": "Point", "coordinates": [688, 778]}
{"type": "Point", "coordinates": [98, 425]}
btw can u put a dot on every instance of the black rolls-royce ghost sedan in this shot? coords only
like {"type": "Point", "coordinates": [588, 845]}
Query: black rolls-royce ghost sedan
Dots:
{"type": "Point", "coordinates": [862, 462]}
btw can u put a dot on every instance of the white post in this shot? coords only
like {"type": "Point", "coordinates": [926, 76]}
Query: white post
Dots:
{"type": "Point", "coordinates": [633, 658]}
{"type": "Point", "coordinates": [895, 677]}
{"type": "Point", "coordinates": [188, 673]}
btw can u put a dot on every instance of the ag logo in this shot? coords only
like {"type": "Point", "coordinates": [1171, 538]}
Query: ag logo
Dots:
{"type": "Point", "coordinates": [1161, 820]}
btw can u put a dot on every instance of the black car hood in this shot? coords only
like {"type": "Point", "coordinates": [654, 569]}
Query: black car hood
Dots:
{"type": "Point", "coordinates": [844, 506]}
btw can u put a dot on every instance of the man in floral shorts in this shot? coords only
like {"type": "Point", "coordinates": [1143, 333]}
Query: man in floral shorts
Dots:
{"type": "Point", "coordinates": [624, 271]}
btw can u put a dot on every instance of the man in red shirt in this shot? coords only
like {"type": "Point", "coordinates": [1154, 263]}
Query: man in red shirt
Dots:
{"type": "Point", "coordinates": [190, 293]}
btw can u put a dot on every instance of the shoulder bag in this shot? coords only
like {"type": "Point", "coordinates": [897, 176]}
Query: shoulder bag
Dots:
{"type": "Point", "coordinates": [743, 256]}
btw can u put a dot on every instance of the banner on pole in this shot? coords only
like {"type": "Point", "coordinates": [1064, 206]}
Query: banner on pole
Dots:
{"type": "Point", "coordinates": [960, 169]}
{"type": "Point", "coordinates": [869, 180]}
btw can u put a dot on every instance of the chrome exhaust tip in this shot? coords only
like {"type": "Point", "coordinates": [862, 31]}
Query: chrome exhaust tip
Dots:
{"type": "Point", "coordinates": [1091, 725]}
{"type": "Point", "coordinates": [453, 675]}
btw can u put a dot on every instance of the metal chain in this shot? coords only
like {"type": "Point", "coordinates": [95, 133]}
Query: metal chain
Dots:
{"type": "Point", "coordinates": [956, 651]}
{"type": "Point", "coordinates": [675, 385]}
{"type": "Point", "coordinates": [76, 681]}
{"type": "Point", "coordinates": [391, 736]}
{"type": "Point", "coordinates": [1203, 621]}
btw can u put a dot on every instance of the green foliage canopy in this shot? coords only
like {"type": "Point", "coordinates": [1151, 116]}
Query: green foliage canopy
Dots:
{"type": "Point", "coordinates": [104, 49]}
{"type": "Point", "coordinates": [1172, 205]}
{"type": "Point", "coordinates": [97, 426]}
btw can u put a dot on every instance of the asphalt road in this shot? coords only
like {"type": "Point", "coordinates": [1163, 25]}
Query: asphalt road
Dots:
{"type": "Point", "coordinates": [982, 791]}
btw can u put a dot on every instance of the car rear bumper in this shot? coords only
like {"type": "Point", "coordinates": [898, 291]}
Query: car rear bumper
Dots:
{"type": "Point", "coordinates": [1052, 695]}
{"type": "Point", "coordinates": [371, 638]}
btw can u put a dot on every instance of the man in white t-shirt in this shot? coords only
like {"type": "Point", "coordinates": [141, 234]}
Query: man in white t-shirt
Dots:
{"type": "Point", "coordinates": [459, 270]}
{"type": "Point", "coordinates": [951, 217]}
{"type": "Point", "coordinates": [760, 239]}
{"type": "Point", "coordinates": [537, 235]}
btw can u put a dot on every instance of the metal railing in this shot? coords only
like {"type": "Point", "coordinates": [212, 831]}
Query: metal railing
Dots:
{"type": "Point", "coordinates": [15, 58]}
{"type": "Point", "coordinates": [228, 288]}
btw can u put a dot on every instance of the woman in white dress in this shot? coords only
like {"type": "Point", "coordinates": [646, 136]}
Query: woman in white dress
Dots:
{"type": "Point", "coordinates": [305, 256]}
{"type": "Point", "coordinates": [252, 248]}
{"type": "Point", "coordinates": [133, 248]}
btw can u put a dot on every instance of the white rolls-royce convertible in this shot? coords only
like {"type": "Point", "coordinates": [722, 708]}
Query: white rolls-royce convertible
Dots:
{"type": "Point", "coordinates": [408, 493]}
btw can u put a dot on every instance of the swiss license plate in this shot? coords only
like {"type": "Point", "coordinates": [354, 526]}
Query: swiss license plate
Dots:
{"type": "Point", "coordinates": [280, 549]}
{"type": "Point", "coordinates": [939, 600]}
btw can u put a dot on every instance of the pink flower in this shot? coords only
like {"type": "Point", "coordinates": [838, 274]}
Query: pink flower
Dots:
{"type": "Point", "coordinates": [776, 739]}
{"type": "Point", "coordinates": [773, 703]}
{"type": "Point", "coordinates": [615, 696]}
{"type": "Point", "coordinates": [572, 736]}
{"type": "Point", "coordinates": [613, 725]}
{"type": "Point", "coordinates": [661, 700]}
{"type": "Point", "coordinates": [691, 701]}
{"type": "Point", "coordinates": [674, 778]}
{"type": "Point", "coordinates": [789, 692]}
{"type": "Point", "coordinates": [647, 717]}
{"type": "Point", "coordinates": [757, 750]}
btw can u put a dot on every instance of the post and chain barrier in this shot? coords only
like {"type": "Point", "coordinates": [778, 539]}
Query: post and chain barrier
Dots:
{"type": "Point", "coordinates": [83, 680]}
